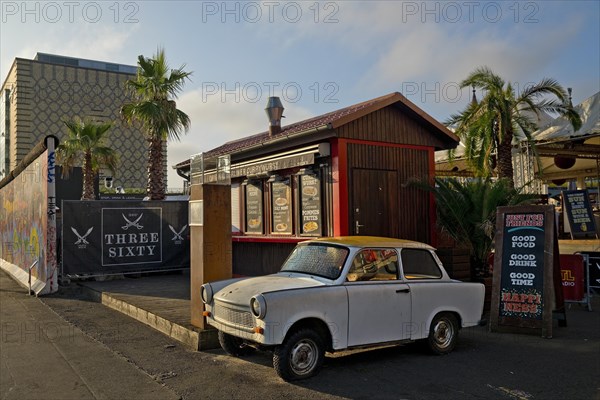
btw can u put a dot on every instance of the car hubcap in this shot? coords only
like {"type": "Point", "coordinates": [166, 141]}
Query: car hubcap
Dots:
{"type": "Point", "coordinates": [303, 356]}
{"type": "Point", "coordinates": [443, 333]}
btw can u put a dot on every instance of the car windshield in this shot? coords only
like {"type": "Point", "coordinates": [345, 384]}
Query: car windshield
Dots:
{"type": "Point", "coordinates": [319, 259]}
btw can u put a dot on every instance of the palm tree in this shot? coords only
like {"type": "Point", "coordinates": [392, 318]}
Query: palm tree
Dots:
{"type": "Point", "coordinates": [489, 127]}
{"type": "Point", "coordinates": [467, 212]}
{"type": "Point", "coordinates": [85, 142]}
{"type": "Point", "coordinates": [154, 90]}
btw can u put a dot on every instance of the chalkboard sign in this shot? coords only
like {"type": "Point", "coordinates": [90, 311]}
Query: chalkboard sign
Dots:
{"type": "Point", "coordinates": [310, 205]}
{"type": "Point", "coordinates": [523, 287]}
{"type": "Point", "coordinates": [281, 207]}
{"type": "Point", "coordinates": [254, 207]}
{"type": "Point", "coordinates": [576, 204]}
{"type": "Point", "coordinates": [522, 277]}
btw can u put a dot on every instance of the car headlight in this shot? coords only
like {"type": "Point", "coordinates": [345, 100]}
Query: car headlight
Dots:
{"type": "Point", "coordinates": [258, 305]}
{"type": "Point", "coordinates": [206, 293]}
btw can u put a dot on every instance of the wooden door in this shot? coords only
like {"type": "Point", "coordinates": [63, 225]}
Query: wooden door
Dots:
{"type": "Point", "coordinates": [374, 203]}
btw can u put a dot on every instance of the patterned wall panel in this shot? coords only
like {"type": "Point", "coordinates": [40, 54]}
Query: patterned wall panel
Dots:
{"type": "Point", "coordinates": [48, 94]}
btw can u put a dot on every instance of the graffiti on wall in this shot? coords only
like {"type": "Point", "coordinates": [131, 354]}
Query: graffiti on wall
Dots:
{"type": "Point", "coordinates": [24, 219]}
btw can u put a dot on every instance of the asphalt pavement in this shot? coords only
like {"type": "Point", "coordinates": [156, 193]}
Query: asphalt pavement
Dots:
{"type": "Point", "coordinates": [42, 356]}
{"type": "Point", "coordinates": [484, 365]}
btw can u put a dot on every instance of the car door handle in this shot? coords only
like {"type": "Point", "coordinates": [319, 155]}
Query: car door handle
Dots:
{"type": "Point", "coordinates": [403, 290]}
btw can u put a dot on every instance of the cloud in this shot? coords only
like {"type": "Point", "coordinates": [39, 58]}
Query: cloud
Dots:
{"type": "Point", "coordinates": [450, 54]}
{"type": "Point", "coordinates": [97, 42]}
{"type": "Point", "coordinates": [103, 43]}
{"type": "Point", "coordinates": [356, 25]}
{"type": "Point", "coordinates": [219, 117]}
{"type": "Point", "coordinates": [428, 63]}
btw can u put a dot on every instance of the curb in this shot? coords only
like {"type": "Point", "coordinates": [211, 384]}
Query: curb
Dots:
{"type": "Point", "coordinates": [194, 339]}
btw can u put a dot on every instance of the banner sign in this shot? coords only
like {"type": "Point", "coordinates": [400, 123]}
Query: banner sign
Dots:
{"type": "Point", "coordinates": [132, 239]}
{"type": "Point", "coordinates": [579, 212]}
{"type": "Point", "coordinates": [572, 273]}
{"type": "Point", "coordinates": [104, 237]}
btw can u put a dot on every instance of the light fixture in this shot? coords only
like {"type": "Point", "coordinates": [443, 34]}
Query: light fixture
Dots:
{"type": "Point", "coordinates": [564, 162]}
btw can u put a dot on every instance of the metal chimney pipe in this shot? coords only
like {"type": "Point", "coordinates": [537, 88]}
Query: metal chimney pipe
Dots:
{"type": "Point", "coordinates": [274, 112]}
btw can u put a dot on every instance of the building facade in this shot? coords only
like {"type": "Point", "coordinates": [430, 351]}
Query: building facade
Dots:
{"type": "Point", "coordinates": [39, 94]}
{"type": "Point", "coordinates": [346, 172]}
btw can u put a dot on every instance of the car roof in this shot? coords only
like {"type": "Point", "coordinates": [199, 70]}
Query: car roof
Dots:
{"type": "Point", "coordinates": [372, 241]}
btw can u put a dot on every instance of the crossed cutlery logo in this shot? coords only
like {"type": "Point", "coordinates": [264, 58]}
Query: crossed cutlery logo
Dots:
{"type": "Point", "coordinates": [81, 239]}
{"type": "Point", "coordinates": [129, 224]}
{"type": "Point", "coordinates": [177, 237]}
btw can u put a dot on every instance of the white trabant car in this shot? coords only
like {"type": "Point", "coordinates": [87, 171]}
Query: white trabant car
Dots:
{"type": "Point", "coordinates": [341, 293]}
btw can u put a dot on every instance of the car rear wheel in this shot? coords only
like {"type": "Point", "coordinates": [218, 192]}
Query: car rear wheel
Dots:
{"type": "Point", "coordinates": [300, 356]}
{"type": "Point", "coordinates": [443, 333]}
{"type": "Point", "coordinates": [233, 346]}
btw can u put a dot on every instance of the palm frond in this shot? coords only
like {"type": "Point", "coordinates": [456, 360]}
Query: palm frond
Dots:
{"type": "Point", "coordinates": [488, 127]}
{"type": "Point", "coordinates": [154, 91]}
{"type": "Point", "coordinates": [466, 211]}
{"type": "Point", "coordinates": [84, 145]}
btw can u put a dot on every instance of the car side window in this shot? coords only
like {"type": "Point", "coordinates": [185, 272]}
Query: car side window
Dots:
{"type": "Point", "coordinates": [419, 264]}
{"type": "Point", "coordinates": [374, 265]}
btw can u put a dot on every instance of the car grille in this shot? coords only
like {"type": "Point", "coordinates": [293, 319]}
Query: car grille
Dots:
{"type": "Point", "coordinates": [233, 316]}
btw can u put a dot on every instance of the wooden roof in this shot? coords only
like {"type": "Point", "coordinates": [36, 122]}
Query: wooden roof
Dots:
{"type": "Point", "coordinates": [331, 121]}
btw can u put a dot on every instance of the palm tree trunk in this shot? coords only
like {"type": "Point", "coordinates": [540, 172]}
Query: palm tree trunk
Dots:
{"type": "Point", "coordinates": [505, 167]}
{"type": "Point", "coordinates": [156, 185]}
{"type": "Point", "coordinates": [88, 178]}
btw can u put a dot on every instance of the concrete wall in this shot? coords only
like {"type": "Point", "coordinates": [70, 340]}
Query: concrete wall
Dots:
{"type": "Point", "coordinates": [28, 228]}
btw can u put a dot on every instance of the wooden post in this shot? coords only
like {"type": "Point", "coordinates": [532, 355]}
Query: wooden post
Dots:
{"type": "Point", "coordinates": [210, 247]}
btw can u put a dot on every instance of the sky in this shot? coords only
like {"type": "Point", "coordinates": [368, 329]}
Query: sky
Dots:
{"type": "Point", "coordinates": [317, 56]}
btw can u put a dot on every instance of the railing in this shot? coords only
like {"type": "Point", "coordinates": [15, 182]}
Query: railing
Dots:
{"type": "Point", "coordinates": [29, 280]}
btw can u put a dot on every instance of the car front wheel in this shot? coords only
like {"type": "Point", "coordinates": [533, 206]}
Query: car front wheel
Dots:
{"type": "Point", "coordinates": [300, 356]}
{"type": "Point", "coordinates": [233, 346]}
{"type": "Point", "coordinates": [443, 334]}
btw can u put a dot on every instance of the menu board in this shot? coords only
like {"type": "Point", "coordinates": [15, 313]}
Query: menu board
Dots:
{"type": "Point", "coordinates": [526, 287]}
{"type": "Point", "coordinates": [522, 277]}
{"type": "Point", "coordinates": [254, 207]}
{"type": "Point", "coordinates": [310, 205]}
{"type": "Point", "coordinates": [281, 207]}
{"type": "Point", "coordinates": [579, 212]}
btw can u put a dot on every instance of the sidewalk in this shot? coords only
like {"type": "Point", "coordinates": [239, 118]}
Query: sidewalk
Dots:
{"type": "Point", "coordinates": [160, 301]}
{"type": "Point", "coordinates": [43, 356]}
